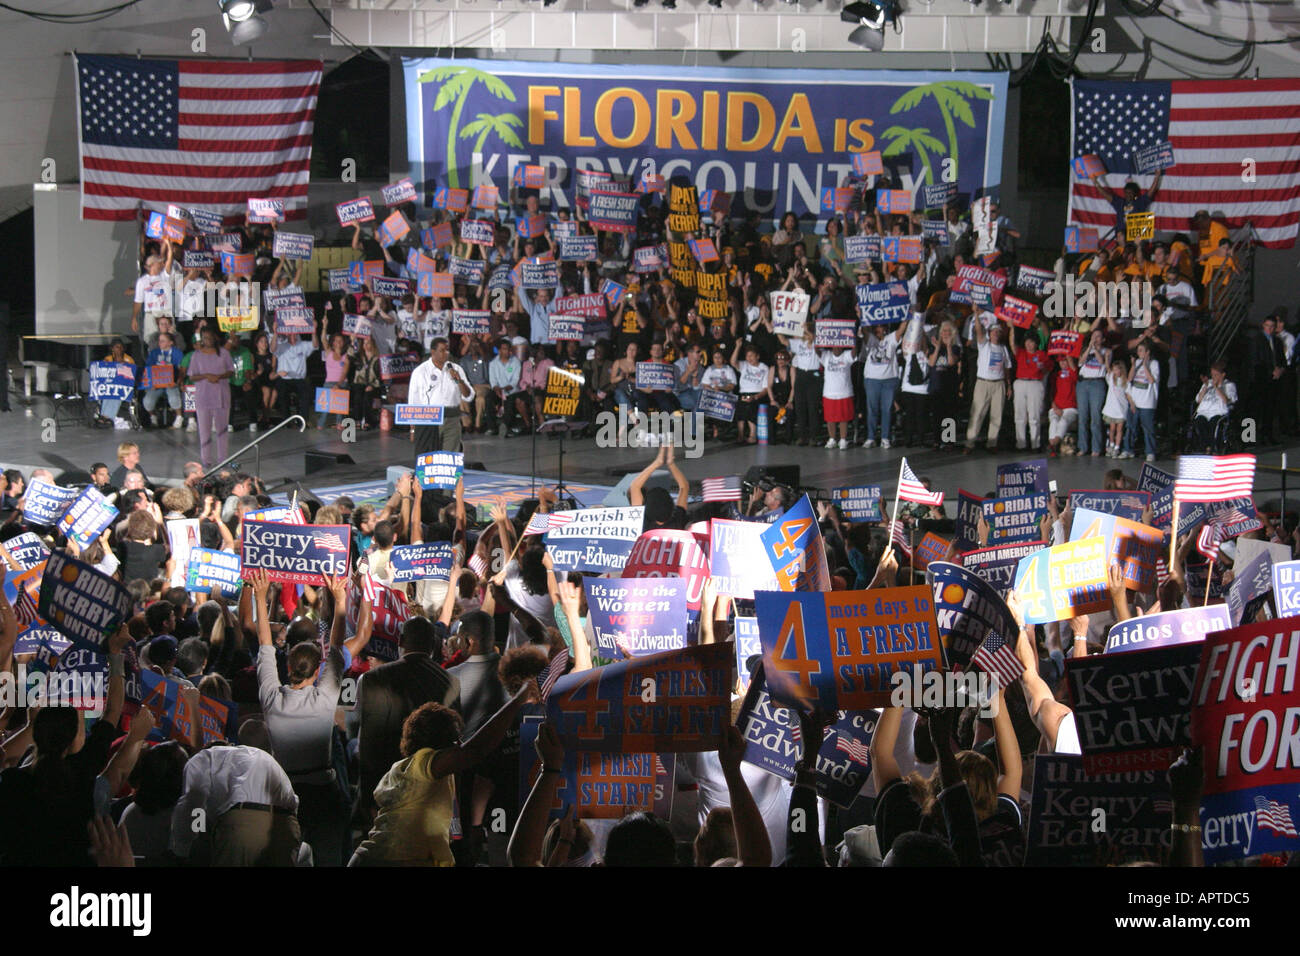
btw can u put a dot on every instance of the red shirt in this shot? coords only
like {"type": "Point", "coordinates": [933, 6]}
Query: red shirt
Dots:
{"type": "Point", "coordinates": [1064, 383]}
{"type": "Point", "coordinates": [1031, 365]}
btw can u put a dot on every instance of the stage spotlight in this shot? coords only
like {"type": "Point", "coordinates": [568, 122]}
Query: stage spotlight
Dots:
{"type": "Point", "coordinates": [870, 17]}
{"type": "Point", "coordinates": [240, 10]}
{"type": "Point", "coordinates": [715, 3]}
{"type": "Point", "coordinates": [243, 19]}
{"type": "Point", "coordinates": [639, 3]}
{"type": "Point", "coordinates": [669, 4]}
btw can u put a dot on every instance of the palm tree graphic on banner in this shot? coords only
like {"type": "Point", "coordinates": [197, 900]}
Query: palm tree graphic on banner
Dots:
{"type": "Point", "coordinates": [457, 82]}
{"type": "Point", "coordinates": [951, 97]}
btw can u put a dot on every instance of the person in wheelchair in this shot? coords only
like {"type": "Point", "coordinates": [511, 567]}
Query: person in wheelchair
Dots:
{"type": "Point", "coordinates": [1214, 403]}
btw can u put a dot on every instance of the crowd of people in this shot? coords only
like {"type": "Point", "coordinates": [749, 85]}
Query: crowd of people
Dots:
{"type": "Point", "coordinates": [337, 754]}
{"type": "Point", "coordinates": [951, 375]}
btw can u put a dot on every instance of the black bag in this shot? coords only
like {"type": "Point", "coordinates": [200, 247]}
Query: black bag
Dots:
{"type": "Point", "coordinates": [917, 374]}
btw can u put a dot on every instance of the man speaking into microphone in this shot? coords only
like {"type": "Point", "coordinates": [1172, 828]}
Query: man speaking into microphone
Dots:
{"type": "Point", "coordinates": [438, 381]}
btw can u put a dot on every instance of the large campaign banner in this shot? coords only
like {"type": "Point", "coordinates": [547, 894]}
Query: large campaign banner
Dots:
{"type": "Point", "coordinates": [841, 649]}
{"type": "Point", "coordinates": [1244, 717]}
{"type": "Point", "coordinates": [772, 742]}
{"type": "Point", "coordinates": [773, 138]}
{"type": "Point", "coordinates": [594, 540]}
{"type": "Point", "coordinates": [673, 702]}
{"type": "Point", "coordinates": [1063, 827]}
{"type": "Point", "coordinates": [1133, 711]}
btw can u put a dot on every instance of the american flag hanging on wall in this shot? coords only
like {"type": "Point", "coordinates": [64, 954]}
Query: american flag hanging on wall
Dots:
{"type": "Point", "coordinates": [206, 134]}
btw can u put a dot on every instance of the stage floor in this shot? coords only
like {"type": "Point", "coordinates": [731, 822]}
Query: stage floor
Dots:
{"type": "Point", "coordinates": [164, 453]}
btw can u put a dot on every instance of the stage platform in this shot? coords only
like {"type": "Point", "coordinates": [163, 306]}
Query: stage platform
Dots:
{"type": "Point", "coordinates": [164, 453]}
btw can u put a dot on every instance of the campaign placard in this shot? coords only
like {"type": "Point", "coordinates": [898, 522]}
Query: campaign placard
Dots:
{"type": "Point", "coordinates": [1062, 832]}
{"type": "Point", "coordinates": [578, 248]}
{"type": "Point", "coordinates": [601, 786]}
{"type": "Point", "coordinates": [1016, 311]}
{"type": "Point", "coordinates": [883, 303]}
{"type": "Point", "coordinates": [748, 644]}
{"type": "Point", "coordinates": [44, 503]}
{"type": "Point", "coordinates": [26, 582]}
{"type": "Point", "coordinates": [930, 548]}
{"type": "Point", "coordinates": [1133, 546]}
{"type": "Point", "coordinates": [430, 561]}
{"type": "Point", "coordinates": [789, 311]}
{"type": "Point", "coordinates": [399, 192]}
{"type": "Point", "coordinates": [563, 391]}
{"type": "Point", "coordinates": [683, 209]}
{"type": "Point", "coordinates": [440, 469]}
{"type": "Point", "coordinates": [997, 565]}
{"type": "Point", "coordinates": [840, 649]}
{"type": "Point", "coordinates": [296, 553]}
{"type": "Point", "coordinates": [356, 325]}
{"type": "Point", "coordinates": [198, 259]}
{"type": "Point", "coordinates": [1153, 158]}
{"type": "Point", "coordinates": [453, 200]}
{"type": "Point", "coordinates": [1064, 581]}
{"type": "Point", "coordinates": [81, 603]}
{"type": "Point", "coordinates": [860, 503]}
{"type": "Point", "coordinates": [434, 284]}
{"type": "Point", "coordinates": [1013, 520]}
{"type": "Point", "coordinates": [1160, 485]}
{"type": "Point", "coordinates": [1087, 166]}
{"type": "Point", "coordinates": [967, 609]}
{"type": "Point", "coordinates": [205, 223]}
{"type": "Point", "coordinates": [1061, 342]}
{"type": "Point", "coordinates": [214, 571]}
{"type": "Point", "coordinates": [655, 376]}
{"type": "Point", "coordinates": [595, 540]}
{"type": "Point", "coordinates": [1286, 588]}
{"type": "Point", "coordinates": [539, 273]}
{"type": "Point", "coordinates": [836, 199]}
{"type": "Point", "coordinates": [672, 553]}
{"type": "Point", "coordinates": [835, 334]}
{"type": "Point", "coordinates": [471, 321]}
{"type": "Point", "coordinates": [794, 545]}
{"type": "Point", "coordinates": [334, 401]}
{"type": "Point", "coordinates": [773, 742]}
{"type": "Point", "coordinates": [605, 709]}
{"type": "Point", "coordinates": [715, 200]}
{"type": "Point", "coordinates": [1034, 281]}
{"type": "Point", "coordinates": [294, 321]}
{"type": "Point", "coordinates": [111, 381]}
{"type": "Point", "coordinates": [868, 163]}
{"type": "Point", "coordinates": [293, 245]}
{"type": "Point", "coordinates": [273, 300]}
{"type": "Point", "coordinates": [486, 196]}
{"type": "Point", "coordinates": [225, 242]}
{"type": "Point", "coordinates": [355, 210]}
{"type": "Point", "coordinates": [614, 211]}
{"type": "Point", "coordinates": [1244, 717]}
{"type": "Point", "coordinates": [393, 288]}
{"type": "Point", "coordinates": [1122, 504]}
{"type": "Point", "coordinates": [1081, 239]}
{"type": "Point", "coordinates": [265, 210]}
{"type": "Point", "coordinates": [633, 617]}
{"type": "Point", "coordinates": [418, 415]}
{"type": "Point", "coordinates": [737, 562]}
{"type": "Point", "coordinates": [238, 318]}
{"type": "Point", "coordinates": [938, 195]}
{"type": "Point", "coordinates": [862, 248]}
{"type": "Point", "coordinates": [612, 291]}
{"type": "Point", "coordinates": [591, 305]}
{"type": "Point", "coordinates": [900, 249]}
{"type": "Point", "coordinates": [1139, 226]}
{"type": "Point", "coordinates": [478, 232]}
{"type": "Point", "coordinates": [1133, 711]}
{"type": "Point", "coordinates": [393, 229]}
{"type": "Point", "coordinates": [27, 550]}
{"type": "Point", "coordinates": [1167, 629]}
{"type": "Point", "coordinates": [87, 518]}
{"type": "Point", "coordinates": [717, 405]}
{"type": "Point", "coordinates": [397, 367]}
{"type": "Point", "coordinates": [970, 508]}
{"type": "Point", "coordinates": [1251, 583]}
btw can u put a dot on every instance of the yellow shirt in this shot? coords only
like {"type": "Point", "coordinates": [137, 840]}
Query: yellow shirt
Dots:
{"type": "Point", "coordinates": [413, 827]}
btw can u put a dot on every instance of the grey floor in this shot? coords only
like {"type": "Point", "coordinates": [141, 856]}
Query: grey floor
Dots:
{"type": "Point", "coordinates": [25, 444]}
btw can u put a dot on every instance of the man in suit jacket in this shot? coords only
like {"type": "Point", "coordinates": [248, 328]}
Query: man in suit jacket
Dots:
{"type": "Point", "coordinates": [481, 692]}
{"type": "Point", "coordinates": [386, 696]}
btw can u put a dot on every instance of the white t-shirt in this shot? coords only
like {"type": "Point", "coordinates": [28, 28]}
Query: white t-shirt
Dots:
{"type": "Point", "coordinates": [191, 302]}
{"type": "Point", "coordinates": [924, 387]}
{"type": "Point", "coordinates": [753, 378]}
{"type": "Point", "coordinates": [1211, 404]}
{"type": "Point", "coordinates": [716, 377]}
{"type": "Point", "coordinates": [1094, 366]}
{"type": "Point", "coordinates": [1115, 406]}
{"type": "Point", "coordinates": [771, 794]}
{"type": "Point", "coordinates": [803, 355]}
{"type": "Point", "coordinates": [994, 360]}
{"type": "Point", "coordinates": [1144, 387]}
{"type": "Point", "coordinates": [838, 382]}
{"type": "Point", "coordinates": [154, 294]}
{"type": "Point", "coordinates": [880, 357]}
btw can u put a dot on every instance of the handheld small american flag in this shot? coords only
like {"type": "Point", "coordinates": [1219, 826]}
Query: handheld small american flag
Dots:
{"type": "Point", "coordinates": [899, 539]}
{"type": "Point", "coordinates": [858, 751]}
{"type": "Point", "coordinates": [478, 564]}
{"type": "Point", "coordinates": [1162, 569]}
{"type": "Point", "coordinates": [557, 518]}
{"type": "Point", "coordinates": [997, 656]}
{"type": "Point", "coordinates": [205, 133]}
{"type": "Point", "coordinates": [911, 489]}
{"type": "Point", "coordinates": [1208, 541]}
{"type": "Point", "coordinates": [1214, 477]}
{"type": "Point", "coordinates": [1275, 816]}
{"type": "Point", "coordinates": [721, 489]}
{"type": "Point", "coordinates": [25, 609]}
{"type": "Point", "coordinates": [538, 524]}
{"type": "Point", "coordinates": [552, 672]}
